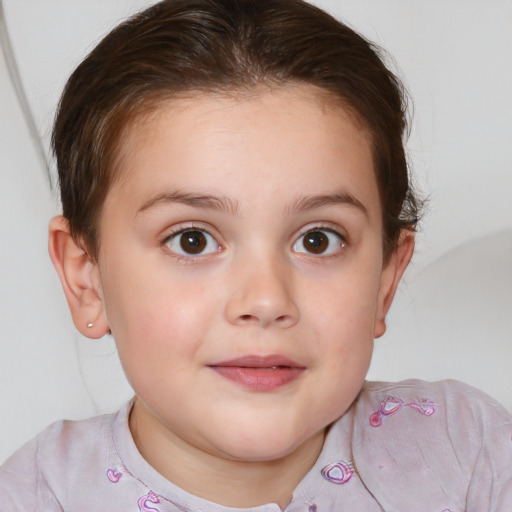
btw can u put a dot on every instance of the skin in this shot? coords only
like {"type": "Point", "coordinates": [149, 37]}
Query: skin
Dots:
{"type": "Point", "coordinates": [269, 168]}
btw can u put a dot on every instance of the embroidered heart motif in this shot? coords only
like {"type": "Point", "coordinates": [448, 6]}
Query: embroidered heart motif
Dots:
{"type": "Point", "coordinates": [428, 408]}
{"type": "Point", "coordinates": [114, 476]}
{"type": "Point", "coordinates": [391, 405]}
{"type": "Point", "coordinates": [338, 472]}
{"type": "Point", "coordinates": [151, 497]}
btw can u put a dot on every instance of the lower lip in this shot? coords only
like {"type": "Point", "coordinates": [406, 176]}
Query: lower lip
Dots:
{"type": "Point", "coordinates": [260, 379]}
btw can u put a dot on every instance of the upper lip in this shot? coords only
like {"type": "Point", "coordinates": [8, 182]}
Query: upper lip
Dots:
{"type": "Point", "coordinates": [254, 361]}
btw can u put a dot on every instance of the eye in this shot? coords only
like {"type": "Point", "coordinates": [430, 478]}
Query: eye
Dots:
{"type": "Point", "coordinates": [192, 242]}
{"type": "Point", "coordinates": [319, 242]}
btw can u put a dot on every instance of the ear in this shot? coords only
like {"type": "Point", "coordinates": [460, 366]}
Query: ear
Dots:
{"type": "Point", "coordinates": [390, 278]}
{"type": "Point", "coordinates": [79, 276]}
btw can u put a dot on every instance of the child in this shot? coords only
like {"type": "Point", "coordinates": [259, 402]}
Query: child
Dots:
{"type": "Point", "coordinates": [237, 213]}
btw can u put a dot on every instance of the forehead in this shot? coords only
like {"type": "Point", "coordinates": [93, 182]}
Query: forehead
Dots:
{"type": "Point", "coordinates": [295, 137]}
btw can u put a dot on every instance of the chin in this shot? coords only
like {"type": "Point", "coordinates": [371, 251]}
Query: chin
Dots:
{"type": "Point", "coordinates": [263, 445]}
{"type": "Point", "coordinates": [259, 453]}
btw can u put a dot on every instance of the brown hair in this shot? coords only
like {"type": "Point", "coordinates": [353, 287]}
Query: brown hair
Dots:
{"type": "Point", "coordinates": [179, 46]}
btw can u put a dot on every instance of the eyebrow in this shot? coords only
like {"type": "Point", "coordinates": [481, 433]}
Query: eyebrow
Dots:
{"type": "Point", "coordinates": [232, 206]}
{"type": "Point", "coordinates": [210, 202]}
{"type": "Point", "coordinates": [306, 203]}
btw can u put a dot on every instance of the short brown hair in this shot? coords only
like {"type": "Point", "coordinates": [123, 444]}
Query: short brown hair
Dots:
{"type": "Point", "coordinates": [179, 46]}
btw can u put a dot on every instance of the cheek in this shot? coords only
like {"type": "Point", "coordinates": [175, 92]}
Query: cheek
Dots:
{"type": "Point", "coordinates": [345, 307]}
{"type": "Point", "coordinates": [159, 333]}
{"type": "Point", "coordinates": [149, 311]}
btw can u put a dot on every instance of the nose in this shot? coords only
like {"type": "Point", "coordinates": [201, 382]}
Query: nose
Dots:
{"type": "Point", "coordinates": [262, 295]}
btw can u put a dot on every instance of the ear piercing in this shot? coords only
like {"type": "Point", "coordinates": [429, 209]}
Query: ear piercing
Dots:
{"type": "Point", "coordinates": [91, 324]}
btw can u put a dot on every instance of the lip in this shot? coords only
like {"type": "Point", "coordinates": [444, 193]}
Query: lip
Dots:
{"type": "Point", "coordinates": [260, 373]}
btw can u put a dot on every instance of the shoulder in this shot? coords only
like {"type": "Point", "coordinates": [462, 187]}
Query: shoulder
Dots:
{"type": "Point", "coordinates": [31, 477]}
{"type": "Point", "coordinates": [451, 399]}
{"type": "Point", "coordinates": [448, 414]}
{"type": "Point", "coordinates": [450, 436]}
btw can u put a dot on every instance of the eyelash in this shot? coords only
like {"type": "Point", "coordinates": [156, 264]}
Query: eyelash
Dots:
{"type": "Point", "coordinates": [320, 228]}
{"type": "Point", "coordinates": [191, 257]}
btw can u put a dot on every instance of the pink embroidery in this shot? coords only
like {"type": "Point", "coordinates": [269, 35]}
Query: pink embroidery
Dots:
{"type": "Point", "coordinates": [151, 497]}
{"type": "Point", "coordinates": [339, 472]}
{"type": "Point", "coordinates": [391, 405]}
{"type": "Point", "coordinates": [114, 476]}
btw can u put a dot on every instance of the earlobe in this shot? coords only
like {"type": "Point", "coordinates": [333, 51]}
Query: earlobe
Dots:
{"type": "Point", "coordinates": [80, 281]}
{"type": "Point", "coordinates": [390, 279]}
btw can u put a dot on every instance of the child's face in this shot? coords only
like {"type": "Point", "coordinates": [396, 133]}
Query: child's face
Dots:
{"type": "Point", "coordinates": [241, 269]}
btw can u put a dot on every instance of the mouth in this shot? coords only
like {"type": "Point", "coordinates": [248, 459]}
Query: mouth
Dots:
{"type": "Point", "coordinates": [260, 373]}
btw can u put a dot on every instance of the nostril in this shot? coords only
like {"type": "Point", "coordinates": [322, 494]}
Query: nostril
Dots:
{"type": "Point", "coordinates": [248, 318]}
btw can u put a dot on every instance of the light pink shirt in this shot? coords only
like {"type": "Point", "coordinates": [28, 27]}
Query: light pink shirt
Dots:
{"type": "Point", "coordinates": [407, 446]}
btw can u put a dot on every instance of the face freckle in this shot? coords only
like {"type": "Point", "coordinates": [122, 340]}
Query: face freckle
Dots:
{"type": "Point", "coordinates": [267, 337]}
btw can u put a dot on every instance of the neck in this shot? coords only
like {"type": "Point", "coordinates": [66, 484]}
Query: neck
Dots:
{"type": "Point", "coordinates": [227, 482]}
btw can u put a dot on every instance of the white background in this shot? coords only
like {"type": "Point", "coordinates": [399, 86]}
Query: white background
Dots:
{"type": "Point", "coordinates": [453, 314]}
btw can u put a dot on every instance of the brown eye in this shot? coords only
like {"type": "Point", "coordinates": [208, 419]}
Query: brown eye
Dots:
{"type": "Point", "coordinates": [319, 242]}
{"type": "Point", "coordinates": [315, 242]}
{"type": "Point", "coordinates": [192, 242]}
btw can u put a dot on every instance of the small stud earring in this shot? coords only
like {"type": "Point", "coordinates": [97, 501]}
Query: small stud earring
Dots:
{"type": "Point", "coordinates": [90, 324]}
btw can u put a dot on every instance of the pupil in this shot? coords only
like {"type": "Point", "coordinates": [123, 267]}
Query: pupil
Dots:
{"type": "Point", "coordinates": [316, 242]}
{"type": "Point", "coordinates": [193, 242]}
